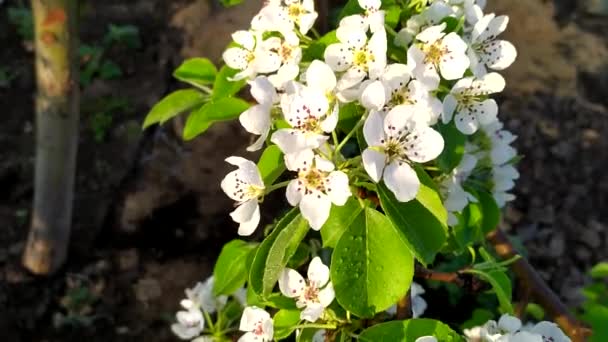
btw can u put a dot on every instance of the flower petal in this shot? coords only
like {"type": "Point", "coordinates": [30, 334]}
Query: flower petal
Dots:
{"type": "Point", "coordinates": [320, 76]}
{"type": "Point", "coordinates": [315, 208]}
{"type": "Point", "coordinates": [499, 55]}
{"type": "Point", "coordinates": [374, 96]}
{"type": "Point", "coordinates": [338, 189]}
{"type": "Point", "coordinates": [339, 57]}
{"type": "Point", "coordinates": [351, 78]}
{"type": "Point", "coordinates": [466, 122]}
{"type": "Point", "coordinates": [449, 106]}
{"type": "Point", "coordinates": [486, 111]}
{"type": "Point", "coordinates": [318, 272]}
{"type": "Point", "coordinates": [312, 312]}
{"type": "Point", "coordinates": [402, 180]}
{"type": "Point", "coordinates": [294, 193]}
{"type": "Point", "coordinates": [244, 38]}
{"type": "Point", "coordinates": [291, 283]}
{"type": "Point", "coordinates": [327, 295]}
{"type": "Point", "coordinates": [374, 162]}
{"type": "Point", "coordinates": [251, 316]}
{"type": "Point", "coordinates": [236, 58]}
{"type": "Point", "coordinates": [248, 215]}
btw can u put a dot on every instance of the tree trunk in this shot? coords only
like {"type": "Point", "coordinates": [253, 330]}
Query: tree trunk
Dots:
{"type": "Point", "coordinates": [57, 111]}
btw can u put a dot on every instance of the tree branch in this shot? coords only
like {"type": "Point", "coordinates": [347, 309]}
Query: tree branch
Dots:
{"type": "Point", "coordinates": [404, 306]}
{"type": "Point", "coordinates": [463, 280]}
{"type": "Point", "coordinates": [539, 289]}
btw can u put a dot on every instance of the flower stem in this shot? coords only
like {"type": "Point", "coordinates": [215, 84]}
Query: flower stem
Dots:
{"type": "Point", "coordinates": [350, 134]}
{"type": "Point", "coordinates": [276, 186]}
{"type": "Point", "coordinates": [315, 33]}
{"type": "Point", "coordinates": [315, 326]}
{"type": "Point", "coordinates": [212, 327]}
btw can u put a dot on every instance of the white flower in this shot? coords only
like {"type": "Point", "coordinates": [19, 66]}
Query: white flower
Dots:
{"type": "Point", "coordinates": [320, 336]}
{"type": "Point", "coordinates": [189, 324]}
{"type": "Point", "coordinates": [318, 186]}
{"type": "Point", "coordinates": [201, 296]}
{"type": "Point", "coordinates": [290, 54]}
{"type": "Point", "coordinates": [257, 324]}
{"type": "Point", "coordinates": [251, 58]}
{"type": "Point", "coordinates": [486, 51]}
{"type": "Point", "coordinates": [501, 154]}
{"type": "Point", "coordinates": [256, 119]}
{"type": "Point", "coordinates": [431, 15]}
{"type": "Point", "coordinates": [282, 15]}
{"type": "Point", "coordinates": [356, 56]}
{"type": "Point", "coordinates": [550, 332]}
{"type": "Point", "coordinates": [426, 339]}
{"type": "Point", "coordinates": [468, 99]}
{"type": "Point", "coordinates": [313, 295]}
{"type": "Point", "coordinates": [501, 139]}
{"type": "Point", "coordinates": [245, 186]}
{"type": "Point", "coordinates": [394, 143]}
{"type": "Point", "coordinates": [456, 197]}
{"type": "Point", "coordinates": [438, 53]}
{"type": "Point", "coordinates": [396, 87]}
{"type": "Point", "coordinates": [307, 113]}
{"type": "Point", "coordinates": [372, 19]}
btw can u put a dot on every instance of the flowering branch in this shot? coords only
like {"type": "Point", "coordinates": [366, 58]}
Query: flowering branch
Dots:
{"type": "Point", "coordinates": [538, 288]}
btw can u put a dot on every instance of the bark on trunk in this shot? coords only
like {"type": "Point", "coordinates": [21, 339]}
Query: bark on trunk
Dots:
{"type": "Point", "coordinates": [57, 112]}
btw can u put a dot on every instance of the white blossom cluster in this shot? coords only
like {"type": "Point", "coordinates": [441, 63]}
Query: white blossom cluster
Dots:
{"type": "Point", "coordinates": [299, 103]}
{"type": "Point", "coordinates": [510, 329]}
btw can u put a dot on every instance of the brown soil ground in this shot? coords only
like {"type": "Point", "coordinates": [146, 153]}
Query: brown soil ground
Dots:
{"type": "Point", "coordinates": [150, 217]}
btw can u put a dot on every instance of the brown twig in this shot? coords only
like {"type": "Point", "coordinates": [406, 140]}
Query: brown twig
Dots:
{"type": "Point", "coordinates": [539, 289]}
{"type": "Point", "coordinates": [463, 280]}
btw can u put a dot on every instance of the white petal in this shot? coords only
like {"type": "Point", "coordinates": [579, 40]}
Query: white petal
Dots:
{"type": "Point", "coordinates": [356, 20]}
{"type": "Point", "coordinates": [449, 106]}
{"type": "Point", "coordinates": [259, 143]}
{"type": "Point", "coordinates": [263, 91]}
{"type": "Point", "coordinates": [486, 111]}
{"type": "Point", "coordinates": [338, 189]}
{"type": "Point", "coordinates": [289, 140]}
{"type": "Point", "coordinates": [489, 84]}
{"type": "Point", "coordinates": [376, 21]}
{"type": "Point", "coordinates": [236, 58]}
{"type": "Point", "coordinates": [256, 119]}
{"type": "Point", "coordinates": [327, 295]}
{"type": "Point", "coordinates": [307, 21]}
{"type": "Point", "coordinates": [550, 330]}
{"type": "Point", "coordinates": [419, 306]}
{"type": "Point", "coordinates": [402, 117]}
{"type": "Point", "coordinates": [374, 96]}
{"type": "Point", "coordinates": [480, 27]}
{"type": "Point", "coordinates": [496, 26]}
{"type": "Point", "coordinates": [353, 37]}
{"type": "Point", "coordinates": [500, 55]}
{"type": "Point", "coordinates": [432, 34]}
{"type": "Point", "coordinates": [370, 4]}
{"type": "Point", "coordinates": [251, 316]}
{"type": "Point", "coordinates": [294, 196]}
{"type": "Point", "coordinates": [319, 336]}
{"type": "Point", "coordinates": [339, 57]}
{"type": "Point", "coordinates": [454, 65]}
{"type": "Point", "coordinates": [244, 38]}
{"type": "Point", "coordinates": [426, 144]}
{"type": "Point", "coordinates": [466, 122]}
{"type": "Point", "coordinates": [249, 337]}
{"type": "Point", "coordinates": [331, 121]}
{"type": "Point", "coordinates": [425, 73]}
{"type": "Point", "coordinates": [318, 272]}
{"type": "Point", "coordinates": [509, 323]}
{"type": "Point", "coordinates": [312, 312]}
{"type": "Point", "coordinates": [320, 76]}
{"type": "Point", "coordinates": [248, 170]}
{"type": "Point", "coordinates": [396, 76]}
{"type": "Point", "coordinates": [351, 78]}
{"type": "Point", "coordinates": [315, 208]}
{"type": "Point", "coordinates": [248, 215]}
{"type": "Point", "coordinates": [266, 61]}
{"type": "Point", "coordinates": [291, 283]}
{"type": "Point", "coordinates": [374, 162]}
{"type": "Point", "coordinates": [402, 180]}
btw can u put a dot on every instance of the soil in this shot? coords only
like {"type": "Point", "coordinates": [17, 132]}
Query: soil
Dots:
{"type": "Point", "coordinates": [150, 218]}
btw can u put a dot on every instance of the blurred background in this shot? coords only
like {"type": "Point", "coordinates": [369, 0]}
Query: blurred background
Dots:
{"type": "Point", "coordinates": [149, 215]}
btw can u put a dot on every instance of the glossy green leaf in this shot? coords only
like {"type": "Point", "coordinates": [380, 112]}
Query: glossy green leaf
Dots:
{"type": "Point", "coordinates": [274, 300]}
{"type": "Point", "coordinates": [501, 285]}
{"type": "Point", "coordinates": [284, 322]}
{"type": "Point", "coordinates": [230, 271]}
{"type": "Point", "coordinates": [600, 270]}
{"type": "Point", "coordinates": [350, 114]}
{"type": "Point", "coordinates": [178, 102]}
{"type": "Point", "coordinates": [317, 49]}
{"type": "Point", "coordinates": [454, 147]}
{"type": "Point", "coordinates": [275, 251]}
{"type": "Point", "coordinates": [409, 331]}
{"type": "Point", "coordinates": [223, 87]}
{"type": "Point", "coordinates": [224, 109]}
{"type": "Point", "coordinates": [469, 227]}
{"type": "Point", "coordinates": [491, 212]}
{"type": "Point", "coordinates": [422, 221]}
{"type": "Point", "coordinates": [271, 164]}
{"type": "Point", "coordinates": [350, 8]}
{"type": "Point", "coordinates": [371, 267]}
{"type": "Point", "coordinates": [196, 71]}
{"type": "Point", "coordinates": [340, 218]}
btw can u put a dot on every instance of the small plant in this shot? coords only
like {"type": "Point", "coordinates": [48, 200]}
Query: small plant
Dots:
{"type": "Point", "coordinates": [385, 138]}
{"type": "Point", "coordinates": [92, 57]}
{"type": "Point", "coordinates": [78, 302]}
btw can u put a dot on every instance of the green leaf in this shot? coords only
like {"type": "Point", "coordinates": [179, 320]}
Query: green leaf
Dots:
{"type": "Point", "coordinates": [350, 114]}
{"type": "Point", "coordinates": [217, 110]}
{"type": "Point", "coordinates": [178, 102]}
{"type": "Point", "coordinates": [422, 221]}
{"type": "Point", "coordinates": [222, 87]}
{"type": "Point", "coordinates": [271, 164]}
{"type": "Point", "coordinates": [109, 71]}
{"type": "Point", "coordinates": [600, 270]}
{"type": "Point", "coordinates": [306, 335]}
{"type": "Point", "coordinates": [351, 7]}
{"type": "Point", "coordinates": [274, 300]}
{"type": "Point", "coordinates": [491, 212]}
{"type": "Point", "coordinates": [316, 50]}
{"type": "Point", "coordinates": [230, 271]}
{"type": "Point", "coordinates": [275, 251]}
{"type": "Point", "coordinates": [501, 284]}
{"type": "Point", "coordinates": [230, 3]}
{"type": "Point", "coordinates": [409, 331]}
{"type": "Point", "coordinates": [597, 316]}
{"type": "Point", "coordinates": [478, 318]}
{"type": "Point", "coordinates": [196, 71]}
{"type": "Point", "coordinates": [469, 227]}
{"type": "Point", "coordinates": [393, 13]}
{"type": "Point", "coordinates": [300, 257]}
{"type": "Point", "coordinates": [284, 323]}
{"type": "Point", "coordinates": [371, 267]}
{"type": "Point", "coordinates": [454, 147]}
{"type": "Point", "coordinates": [340, 219]}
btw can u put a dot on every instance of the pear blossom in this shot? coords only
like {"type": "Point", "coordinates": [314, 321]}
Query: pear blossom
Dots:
{"type": "Point", "coordinates": [308, 113]}
{"type": "Point", "coordinates": [189, 324]}
{"type": "Point", "coordinates": [372, 18]}
{"type": "Point", "coordinates": [257, 324]}
{"type": "Point", "coordinates": [201, 296]}
{"type": "Point", "coordinates": [501, 155]}
{"type": "Point", "coordinates": [430, 16]}
{"type": "Point", "coordinates": [394, 144]}
{"type": "Point", "coordinates": [320, 336]}
{"type": "Point", "coordinates": [244, 186]}
{"type": "Point", "coordinates": [468, 99]}
{"type": "Point", "coordinates": [290, 54]}
{"type": "Point", "coordinates": [397, 87]}
{"type": "Point", "coordinates": [357, 56]}
{"type": "Point", "coordinates": [317, 186]}
{"type": "Point", "coordinates": [250, 58]}
{"type": "Point", "coordinates": [313, 295]}
{"type": "Point", "coordinates": [456, 198]}
{"type": "Point", "coordinates": [257, 119]}
{"type": "Point", "coordinates": [283, 15]}
{"type": "Point", "coordinates": [438, 53]}
{"type": "Point", "coordinates": [486, 50]}
{"type": "Point", "coordinates": [550, 332]}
